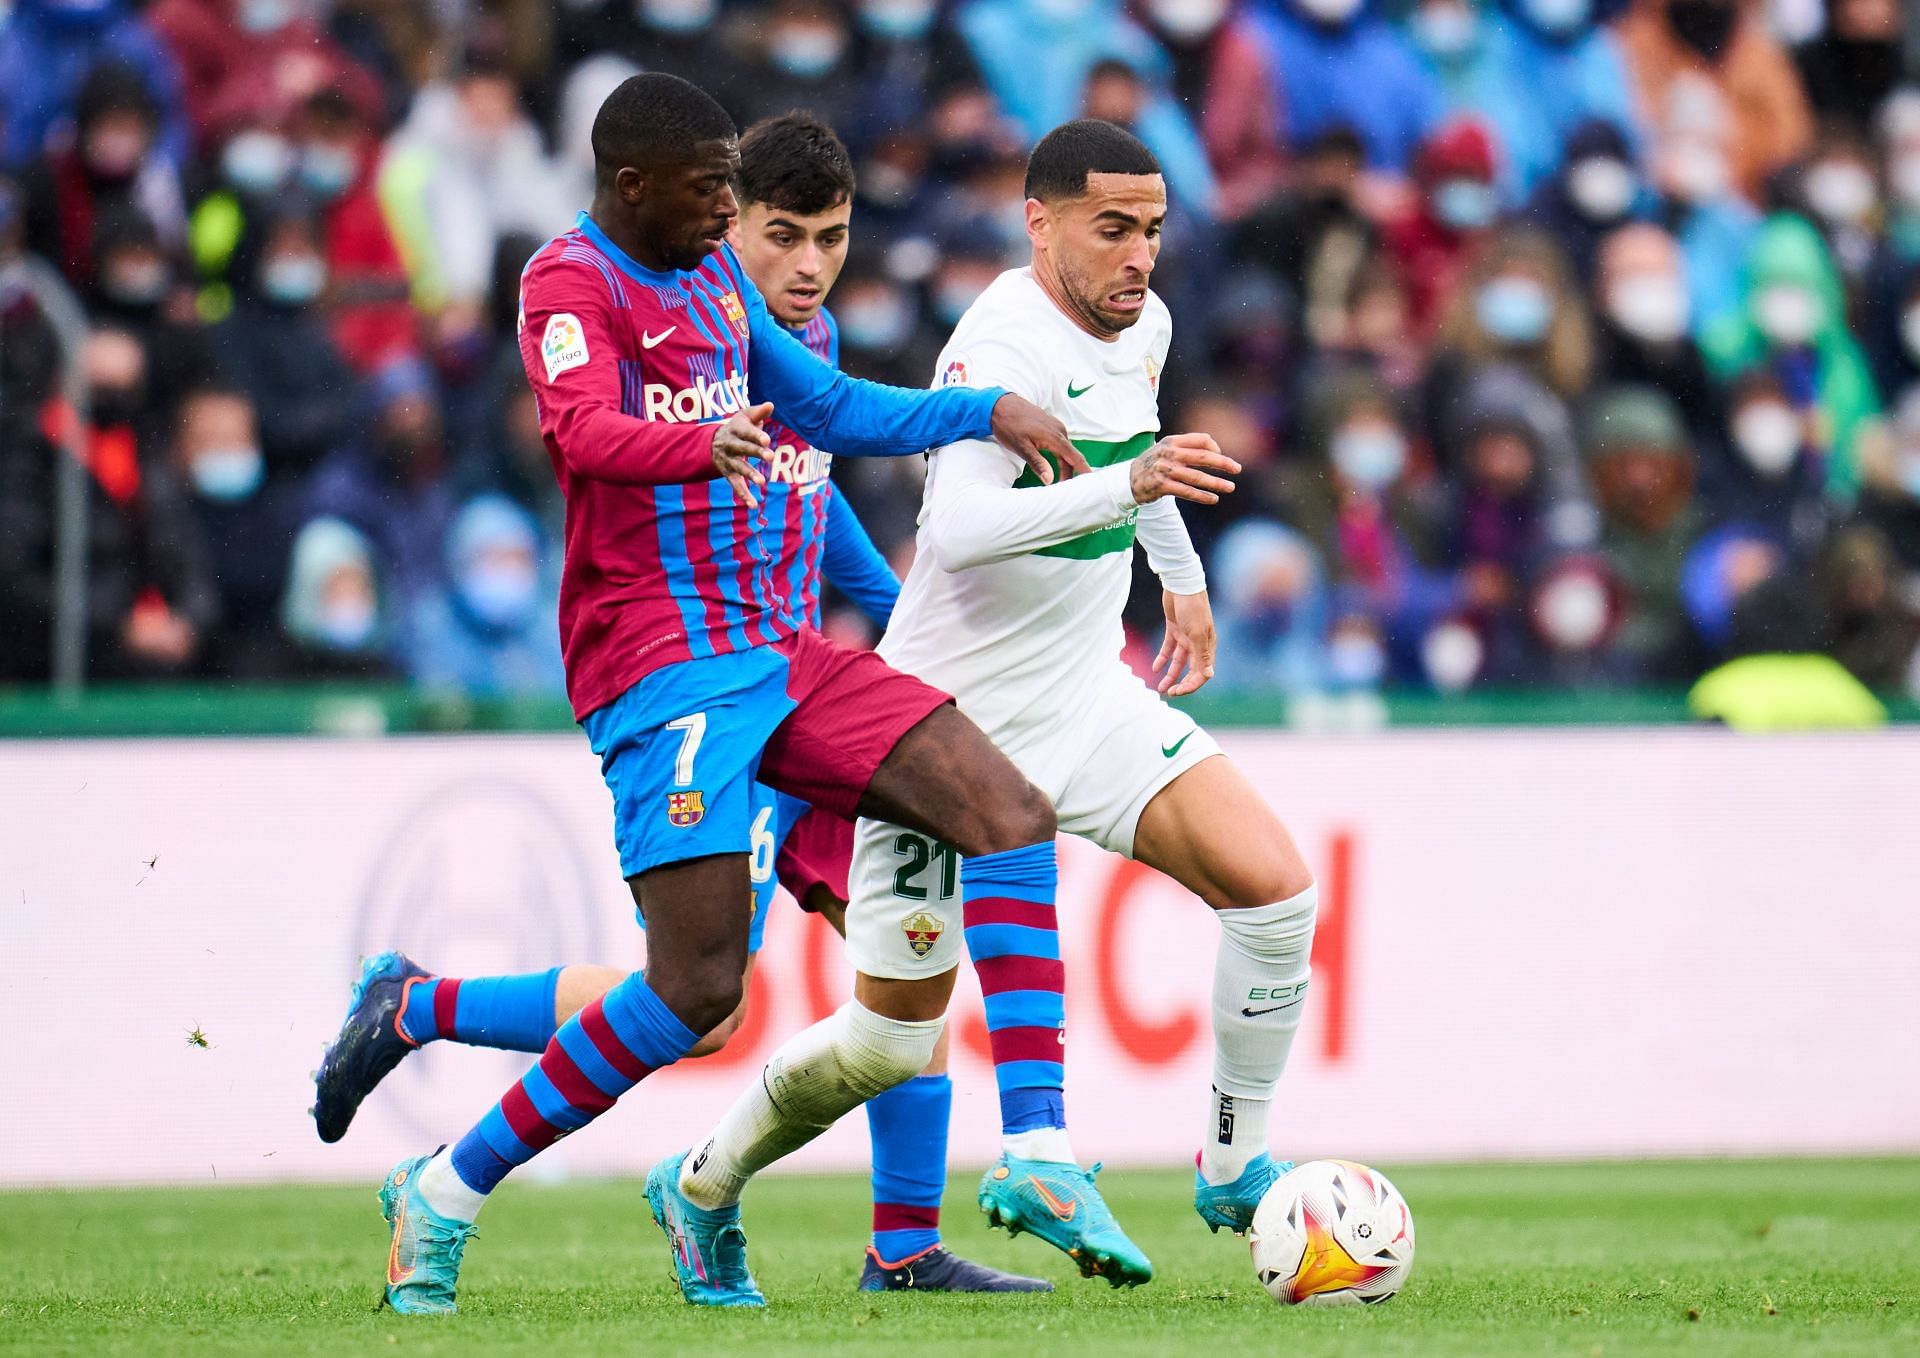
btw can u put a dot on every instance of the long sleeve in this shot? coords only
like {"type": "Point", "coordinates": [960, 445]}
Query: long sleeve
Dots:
{"type": "Point", "coordinates": [854, 566]}
{"type": "Point", "coordinates": [566, 345]}
{"type": "Point", "coordinates": [1163, 533]}
{"type": "Point", "coordinates": [974, 515]}
{"type": "Point", "coordinates": [852, 417]}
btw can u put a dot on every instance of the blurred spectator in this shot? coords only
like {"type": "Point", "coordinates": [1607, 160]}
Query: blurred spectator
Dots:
{"type": "Point", "coordinates": [1117, 93]}
{"type": "Point", "coordinates": [1596, 188]}
{"type": "Point", "coordinates": [490, 628]}
{"type": "Point", "coordinates": [276, 345]}
{"type": "Point", "coordinates": [1447, 221]}
{"type": "Point", "coordinates": [1645, 326]}
{"type": "Point", "coordinates": [334, 612]}
{"type": "Point", "coordinates": [1643, 475]}
{"type": "Point", "coordinates": [1854, 64]}
{"type": "Point", "coordinates": [800, 55]}
{"type": "Point", "coordinates": [1469, 52]}
{"type": "Point", "coordinates": [1771, 476]}
{"type": "Point", "coordinates": [1674, 46]}
{"type": "Point", "coordinates": [1571, 68]}
{"type": "Point", "coordinates": [1035, 56]}
{"type": "Point", "coordinates": [257, 61]}
{"type": "Point", "coordinates": [682, 36]}
{"type": "Point", "coordinates": [1221, 69]}
{"type": "Point", "coordinates": [48, 47]}
{"type": "Point", "coordinates": [109, 166]}
{"type": "Point", "coordinates": [1838, 189]}
{"type": "Point", "coordinates": [1726, 566]}
{"type": "Point", "coordinates": [1338, 63]}
{"type": "Point", "coordinates": [1375, 334]}
{"type": "Point", "coordinates": [1890, 489]}
{"type": "Point", "coordinates": [1874, 630]}
{"type": "Point", "coordinates": [1793, 323]}
{"type": "Point", "coordinates": [1497, 529]}
{"type": "Point", "coordinates": [1311, 238]}
{"type": "Point", "coordinates": [1271, 601]}
{"type": "Point", "coordinates": [137, 296]}
{"type": "Point", "coordinates": [1714, 225]}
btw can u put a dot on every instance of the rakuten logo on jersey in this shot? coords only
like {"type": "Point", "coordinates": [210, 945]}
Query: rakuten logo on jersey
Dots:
{"type": "Point", "coordinates": [798, 466]}
{"type": "Point", "coordinates": [703, 400]}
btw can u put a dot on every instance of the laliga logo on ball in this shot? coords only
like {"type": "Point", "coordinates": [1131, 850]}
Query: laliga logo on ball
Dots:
{"type": "Point", "coordinates": [1332, 1233]}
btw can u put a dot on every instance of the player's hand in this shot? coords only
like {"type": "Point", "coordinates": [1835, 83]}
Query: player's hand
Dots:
{"type": "Point", "coordinates": [735, 446]}
{"type": "Point", "coordinates": [1031, 433]}
{"type": "Point", "coordinates": [1185, 662]}
{"type": "Point", "coordinates": [1183, 466]}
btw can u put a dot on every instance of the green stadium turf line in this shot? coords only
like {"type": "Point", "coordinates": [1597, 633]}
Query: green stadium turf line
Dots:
{"type": "Point", "coordinates": [1746, 1259]}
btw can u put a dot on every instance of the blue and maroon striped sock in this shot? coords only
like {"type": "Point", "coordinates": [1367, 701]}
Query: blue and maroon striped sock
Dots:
{"type": "Point", "coordinates": [511, 1012]}
{"type": "Point", "coordinates": [596, 1056]}
{"type": "Point", "coordinates": [908, 1124]}
{"type": "Point", "coordinates": [1008, 905]}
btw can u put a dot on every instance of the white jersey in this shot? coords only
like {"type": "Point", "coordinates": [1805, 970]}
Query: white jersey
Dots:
{"type": "Point", "coordinates": [1013, 603]}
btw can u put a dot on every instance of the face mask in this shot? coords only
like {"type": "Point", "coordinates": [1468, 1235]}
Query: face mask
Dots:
{"type": "Point", "coordinates": [347, 625]}
{"type": "Point", "coordinates": [1187, 20]}
{"type": "Point", "coordinates": [328, 170]}
{"type": "Point", "coordinates": [1601, 187]}
{"type": "Point", "coordinates": [1767, 434]}
{"type": "Point", "coordinates": [1904, 175]}
{"type": "Point", "coordinates": [1559, 18]}
{"type": "Point", "coordinates": [951, 300]}
{"type": "Point", "coordinates": [1649, 306]}
{"type": "Point", "coordinates": [115, 154]}
{"type": "Point", "coordinates": [806, 53]}
{"type": "Point", "coordinates": [1698, 172]}
{"type": "Point", "coordinates": [1910, 332]}
{"type": "Point", "coordinates": [677, 16]}
{"type": "Point", "coordinates": [500, 596]}
{"type": "Point", "coordinates": [256, 162]}
{"type": "Point", "coordinates": [878, 324]}
{"type": "Point", "coordinates": [1840, 190]}
{"type": "Point", "coordinates": [1788, 313]}
{"type": "Point", "coordinates": [294, 280]}
{"type": "Point", "coordinates": [1331, 11]}
{"type": "Point", "coordinates": [1514, 310]}
{"type": "Point", "coordinates": [897, 20]}
{"type": "Point", "coordinates": [1452, 654]}
{"type": "Point", "coordinates": [1445, 31]}
{"type": "Point", "coordinates": [264, 16]}
{"type": "Point", "coordinates": [1702, 25]}
{"type": "Point", "coordinates": [137, 285]}
{"type": "Point", "coordinates": [1356, 660]}
{"type": "Point", "coordinates": [1369, 455]}
{"type": "Point", "coordinates": [1465, 204]}
{"type": "Point", "coordinates": [228, 475]}
{"type": "Point", "coordinates": [1572, 611]}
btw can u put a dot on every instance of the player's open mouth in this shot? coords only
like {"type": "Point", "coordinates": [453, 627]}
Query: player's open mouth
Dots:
{"type": "Point", "coordinates": [1128, 299]}
{"type": "Point", "coordinates": [803, 296]}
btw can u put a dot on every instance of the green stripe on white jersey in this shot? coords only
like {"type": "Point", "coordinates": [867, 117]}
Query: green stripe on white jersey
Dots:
{"type": "Point", "coordinates": [1116, 537]}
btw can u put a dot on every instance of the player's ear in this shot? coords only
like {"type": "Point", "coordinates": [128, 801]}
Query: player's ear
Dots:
{"type": "Point", "coordinates": [1039, 220]}
{"type": "Point", "coordinates": [630, 185]}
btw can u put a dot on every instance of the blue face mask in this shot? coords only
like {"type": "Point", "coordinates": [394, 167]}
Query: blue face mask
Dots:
{"type": "Point", "coordinates": [806, 53]}
{"type": "Point", "coordinates": [1465, 204]}
{"type": "Point", "coordinates": [346, 626]}
{"type": "Point", "coordinates": [294, 280]}
{"type": "Point", "coordinates": [500, 596]}
{"type": "Point", "coordinates": [328, 170]}
{"type": "Point", "coordinates": [228, 475]}
{"type": "Point", "coordinates": [1561, 18]}
{"type": "Point", "coordinates": [897, 20]}
{"type": "Point", "coordinates": [880, 323]}
{"type": "Point", "coordinates": [677, 16]}
{"type": "Point", "coordinates": [256, 161]}
{"type": "Point", "coordinates": [264, 16]}
{"type": "Point", "coordinates": [1514, 310]}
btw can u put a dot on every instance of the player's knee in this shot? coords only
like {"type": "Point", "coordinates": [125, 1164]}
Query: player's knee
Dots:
{"type": "Point", "coordinates": [721, 1033]}
{"type": "Point", "coordinates": [1020, 817]}
{"type": "Point", "coordinates": [1257, 880]}
{"type": "Point", "coordinates": [703, 996]}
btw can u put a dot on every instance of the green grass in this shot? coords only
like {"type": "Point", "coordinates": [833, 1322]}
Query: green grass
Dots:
{"type": "Point", "coordinates": [1740, 1258]}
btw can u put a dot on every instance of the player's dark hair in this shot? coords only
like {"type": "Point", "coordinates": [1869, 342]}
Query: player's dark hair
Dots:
{"type": "Point", "coordinates": [655, 119]}
{"type": "Point", "coordinates": [1058, 168]}
{"type": "Point", "coordinates": [794, 163]}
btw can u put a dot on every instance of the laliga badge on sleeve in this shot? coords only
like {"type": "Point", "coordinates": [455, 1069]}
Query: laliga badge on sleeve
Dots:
{"type": "Point", "coordinates": [564, 345]}
{"type": "Point", "coordinates": [954, 374]}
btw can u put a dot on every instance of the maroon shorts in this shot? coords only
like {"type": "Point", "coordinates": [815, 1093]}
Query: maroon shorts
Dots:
{"type": "Point", "coordinates": [851, 710]}
{"type": "Point", "coordinates": [818, 853]}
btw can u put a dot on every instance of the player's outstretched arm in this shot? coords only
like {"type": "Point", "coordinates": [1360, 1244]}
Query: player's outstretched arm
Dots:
{"type": "Point", "coordinates": [854, 566]}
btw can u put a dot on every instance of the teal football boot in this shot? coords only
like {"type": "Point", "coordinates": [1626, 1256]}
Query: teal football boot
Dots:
{"type": "Point", "coordinates": [1232, 1205]}
{"type": "Point", "coordinates": [709, 1248]}
{"type": "Point", "coordinates": [1059, 1203]}
{"type": "Point", "coordinates": [423, 1262]}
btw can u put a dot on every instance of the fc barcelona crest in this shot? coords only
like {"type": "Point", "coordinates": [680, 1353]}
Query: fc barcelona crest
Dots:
{"type": "Point", "coordinates": [685, 809]}
{"type": "Point", "coordinates": [736, 311]}
{"type": "Point", "coordinates": [923, 931]}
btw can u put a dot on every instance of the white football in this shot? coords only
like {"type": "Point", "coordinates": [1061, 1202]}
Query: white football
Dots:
{"type": "Point", "coordinates": [1332, 1233]}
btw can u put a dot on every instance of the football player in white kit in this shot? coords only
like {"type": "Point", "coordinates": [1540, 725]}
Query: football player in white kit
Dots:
{"type": "Point", "coordinates": [1013, 605]}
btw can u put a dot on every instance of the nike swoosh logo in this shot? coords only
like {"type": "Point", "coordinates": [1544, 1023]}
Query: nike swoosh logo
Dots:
{"type": "Point", "coordinates": [648, 341]}
{"type": "Point", "coordinates": [1063, 1210]}
{"type": "Point", "coordinates": [395, 1274]}
{"type": "Point", "coordinates": [1171, 750]}
{"type": "Point", "coordinates": [1075, 393]}
{"type": "Point", "coordinates": [1256, 1013]}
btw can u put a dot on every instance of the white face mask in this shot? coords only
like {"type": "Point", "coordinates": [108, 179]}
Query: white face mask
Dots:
{"type": "Point", "coordinates": [1601, 187]}
{"type": "Point", "coordinates": [1369, 455]}
{"type": "Point", "coordinates": [1788, 313]}
{"type": "Point", "coordinates": [1187, 20]}
{"type": "Point", "coordinates": [1696, 172]}
{"type": "Point", "coordinates": [1841, 191]}
{"type": "Point", "coordinates": [1331, 11]}
{"type": "Point", "coordinates": [1573, 610]}
{"type": "Point", "coordinates": [1452, 654]}
{"type": "Point", "coordinates": [1356, 660]}
{"type": "Point", "coordinates": [1650, 306]}
{"type": "Point", "coordinates": [1445, 29]}
{"type": "Point", "coordinates": [1767, 433]}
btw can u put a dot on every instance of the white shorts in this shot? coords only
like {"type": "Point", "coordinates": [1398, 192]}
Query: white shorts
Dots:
{"type": "Point", "coordinates": [1099, 762]}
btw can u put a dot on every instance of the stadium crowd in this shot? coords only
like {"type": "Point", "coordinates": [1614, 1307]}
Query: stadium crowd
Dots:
{"type": "Point", "coordinates": [1564, 341]}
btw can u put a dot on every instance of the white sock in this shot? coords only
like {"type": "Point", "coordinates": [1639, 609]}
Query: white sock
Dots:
{"type": "Point", "coordinates": [808, 1085]}
{"type": "Point", "coordinates": [446, 1192]}
{"type": "Point", "coordinates": [1042, 1143]}
{"type": "Point", "coordinates": [1259, 991]}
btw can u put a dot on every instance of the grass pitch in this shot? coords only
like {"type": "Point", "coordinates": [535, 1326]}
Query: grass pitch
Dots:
{"type": "Point", "coordinates": [1598, 1261]}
